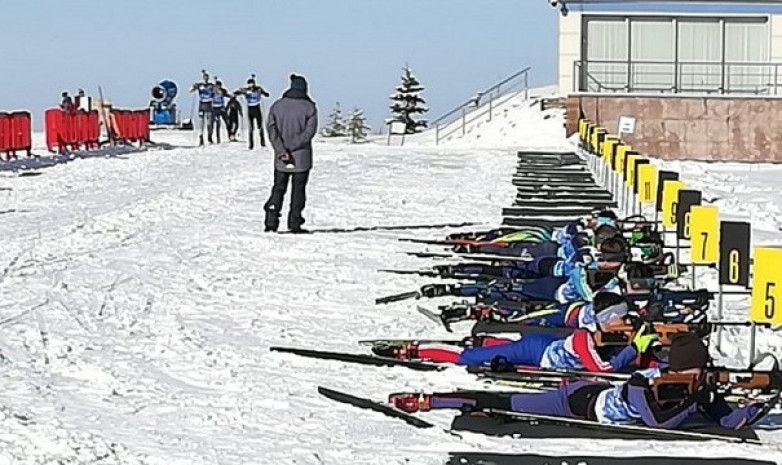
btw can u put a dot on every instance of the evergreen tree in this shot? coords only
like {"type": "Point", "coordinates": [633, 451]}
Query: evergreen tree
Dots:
{"type": "Point", "coordinates": [336, 124]}
{"type": "Point", "coordinates": [407, 104]}
{"type": "Point", "coordinates": [357, 126]}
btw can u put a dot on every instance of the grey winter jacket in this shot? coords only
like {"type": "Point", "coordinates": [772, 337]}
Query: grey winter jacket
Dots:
{"type": "Point", "coordinates": [292, 124]}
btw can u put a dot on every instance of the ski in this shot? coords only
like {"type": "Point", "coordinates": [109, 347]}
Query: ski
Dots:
{"type": "Point", "coordinates": [447, 242]}
{"type": "Point", "coordinates": [651, 433]}
{"type": "Point", "coordinates": [486, 458]}
{"type": "Point", "coordinates": [363, 359]}
{"type": "Point", "coordinates": [427, 273]}
{"type": "Point", "coordinates": [476, 256]}
{"type": "Point", "coordinates": [523, 373]}
{"type": "Point", "coordinates": [434, 317]}
{"type": "Point", "coordinates": [386, 228]}
{"type": "Point", "coordinates": [370, 404]}
{"type": "Point", "coordinates": [402, 342]}
{"type": "Point", "coordinates": [398, 297]}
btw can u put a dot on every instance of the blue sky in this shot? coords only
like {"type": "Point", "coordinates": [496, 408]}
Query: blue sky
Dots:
{"type": "Point", "coordinates": [352, 51]}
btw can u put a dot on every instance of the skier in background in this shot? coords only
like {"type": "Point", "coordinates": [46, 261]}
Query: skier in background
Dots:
{"type": "Point", "coordinates": [253, 94]}
{"type": "Point", "coordinates": [293, 122]}
{"type": "Point", "coordinates": [219, 99]}
{"type": "Point", "coordinates": [205, 91]}
{"type": "Point", "coordinates": [66, 103]}
{"type": "Point", "coordinates": [233, 112]}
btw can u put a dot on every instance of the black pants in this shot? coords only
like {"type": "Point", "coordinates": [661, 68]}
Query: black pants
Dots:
{"type": "Point", "coordinates": [232, 123]}
{"type": "Point", "coordinates": [298, 199]}
{"type": "Point", "coordinates": [255, 118]}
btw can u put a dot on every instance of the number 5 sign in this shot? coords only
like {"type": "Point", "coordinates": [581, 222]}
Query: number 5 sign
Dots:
{"type": "Point", "coordinates": [767, 286]}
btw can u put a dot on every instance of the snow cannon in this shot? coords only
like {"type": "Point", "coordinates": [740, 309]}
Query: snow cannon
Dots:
{"type": "Point", "coordinates": [163, 107]}
{"type": "Point", "coordinates": [164, 93]}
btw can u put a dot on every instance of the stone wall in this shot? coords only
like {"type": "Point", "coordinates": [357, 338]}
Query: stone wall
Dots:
{"type": "Point", "coordinates": [698, 128]}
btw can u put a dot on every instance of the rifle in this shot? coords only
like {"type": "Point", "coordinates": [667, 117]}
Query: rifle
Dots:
{"type": "Point", "coordinates": [621, 334]}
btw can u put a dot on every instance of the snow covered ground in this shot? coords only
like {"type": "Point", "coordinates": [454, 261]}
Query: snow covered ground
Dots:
{"type": "Point", "coordinates": [139, 297]}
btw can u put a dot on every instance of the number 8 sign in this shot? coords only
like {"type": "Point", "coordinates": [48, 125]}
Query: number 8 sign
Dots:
{"type": "Point", "coordinates": [767, 286]}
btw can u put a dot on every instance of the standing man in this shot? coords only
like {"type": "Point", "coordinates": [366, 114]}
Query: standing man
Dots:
{"type": "Point", "coordinates": [219, 99]}
{"type": "Point", "coordinates": [253, 93]}
{"type": "Point", "coordinates": [293, 122]}
{"type": "Point", "coordinates": [205, 92]}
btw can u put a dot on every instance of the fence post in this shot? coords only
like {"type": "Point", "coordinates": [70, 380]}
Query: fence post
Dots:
{"type": "Point", "coordinates": [526, 85]}
{"type": "Point", "coordinates": [464, 121]}
{"type": "Point", "coordinates": [491, 104]}
{"type": "Point", "coordinates": [437, 134]}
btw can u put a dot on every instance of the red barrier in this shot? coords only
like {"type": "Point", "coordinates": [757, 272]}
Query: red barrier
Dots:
{"type": "Point", "coordinates": [131, 125]}
{"type": "Point", "coordinates": [71, 131]}
{"type": "Point", "coordinates": [5, 131]}
{"type": "Point", "coordinates": [52, 121]}
{"type": "Point", "coordinates": [15, 133]}
{"type": "Point", "coordinates": [21, 129]}
{"type": "Point", "coordinates": [93, 129]}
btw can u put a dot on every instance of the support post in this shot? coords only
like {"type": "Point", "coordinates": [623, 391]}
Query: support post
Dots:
{"type": "Point", "coordinates": [718, 336]}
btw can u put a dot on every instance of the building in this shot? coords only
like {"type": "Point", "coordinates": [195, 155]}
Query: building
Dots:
{"type": "Point", "coordinates": [702, 79]}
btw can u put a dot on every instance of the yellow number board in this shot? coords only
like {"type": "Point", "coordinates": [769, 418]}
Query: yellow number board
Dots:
{"type": "Point", "coordinates": [705, 234]}
{"type": "Point", "coordinates": [595, 135]}
{"type": "Point", "coordinates": [621, 153]}
{"type": "Point", "coordinates": [630, 171]}
{"type": "Point", "coordinates": [767, 286]}
{"type": "Point", "coordinates": [608, 147]}
{"type": "Point", "coordinates": [671, 202]}
{"type": "Point", "coordinates": [647, 184]}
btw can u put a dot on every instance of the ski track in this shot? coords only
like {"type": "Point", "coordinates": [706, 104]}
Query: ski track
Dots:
{"type": "Point", "coordinates": [140, 297]}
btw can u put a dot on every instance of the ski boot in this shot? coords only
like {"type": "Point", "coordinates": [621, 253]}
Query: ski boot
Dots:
{"type": "Point", "coordinates": [201, 140]}
{"type": "Point", "coordinates": [444, 271]}
{"type": "Point", "coordinates": [401, 351]}
{"type": "Point", "coordinates": [437, 290]}
{"type": "Point", "coordinates": [411, 403]}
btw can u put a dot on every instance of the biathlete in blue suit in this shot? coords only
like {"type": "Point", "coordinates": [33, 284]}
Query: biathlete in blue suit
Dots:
{"type": "Point", "coordinates": [253, 94]}
{"type": "Point", "coordinates": [205, 91]}
{"type": "Point", "coordinates": [578, 351]}
{"type": "Point", "coordinates": [635, 401]}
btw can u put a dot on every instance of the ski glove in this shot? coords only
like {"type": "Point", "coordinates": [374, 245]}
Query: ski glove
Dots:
{"type": "Point", "coordinates": [500, 364]}
{"type": "Point", "coordinates": [642, 341]}
{"type": "Point", "coordinates": [705, 395]}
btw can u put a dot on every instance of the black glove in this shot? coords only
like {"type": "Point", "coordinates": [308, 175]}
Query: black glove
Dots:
{"type": "Point", "coordinates": [501, 364]}
{"type": "Point", "coordinates": [638, 380]}
{"type": "Point", "coordinates": [705, 395]}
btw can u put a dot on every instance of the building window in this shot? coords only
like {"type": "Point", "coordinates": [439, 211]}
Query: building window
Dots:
{"type": "Point", "coordinates": [676, 54]}
{"type": "Point", "coordinates": [607, 50]}
{"type": "Point", "coordinates": [653, 54]}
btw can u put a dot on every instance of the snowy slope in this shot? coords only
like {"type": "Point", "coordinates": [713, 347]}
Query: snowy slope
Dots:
{"type": "Point", "coordinates": [139, 297]}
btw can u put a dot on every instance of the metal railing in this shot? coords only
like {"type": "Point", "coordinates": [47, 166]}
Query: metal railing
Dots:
{"type": "Point", "coordinates": [481, 105]}
{"type": "Point", "coordinates": [709, 77]}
